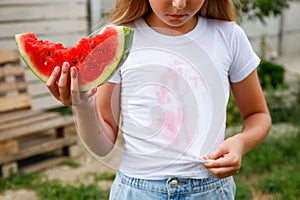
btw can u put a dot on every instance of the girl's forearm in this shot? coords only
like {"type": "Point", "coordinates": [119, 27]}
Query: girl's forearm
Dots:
{"type": "Point", "coordinates": [255, 129]}
{"type": "Point", "coordinates": [93, 130]}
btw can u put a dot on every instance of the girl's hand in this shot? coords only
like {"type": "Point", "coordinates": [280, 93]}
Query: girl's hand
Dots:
{"type": "Point", "coordinates": [64, 86]}
{"type": "Point", "coordinates": [227, 158]}
{"type": "Point", "coordinates": [256, 125]}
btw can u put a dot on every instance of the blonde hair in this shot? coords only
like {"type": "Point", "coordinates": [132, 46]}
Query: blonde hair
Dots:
{"type": "Point", "coordinates": [129, 10]}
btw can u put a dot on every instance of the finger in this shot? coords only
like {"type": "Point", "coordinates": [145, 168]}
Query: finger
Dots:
{"type": "Point", "coordinates": [75, 93]}
{"type": "Point", "coordinates": [218, 153]}
{"type": "Point", "coordinates": [223, 167]}
{"type": "Point", "coordinates": [223, 172]}
{"type": "Point", "coordinates": [52, 82]}
{"type": "Point", "coordinates": [217, 163]}
{"type": "Point", "coordinates": [63, 87]}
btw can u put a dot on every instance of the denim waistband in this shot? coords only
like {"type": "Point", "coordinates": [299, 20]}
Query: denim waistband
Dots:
{"type": "Point", "coordinates": [174, 184]}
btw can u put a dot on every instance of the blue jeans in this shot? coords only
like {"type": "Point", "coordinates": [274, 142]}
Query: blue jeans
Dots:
{"type": "Point", "coordinates": [127, 188]}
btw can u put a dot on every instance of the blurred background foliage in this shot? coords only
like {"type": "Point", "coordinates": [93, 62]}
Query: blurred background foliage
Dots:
{"type": "Point", "coordinates": [261, 9]}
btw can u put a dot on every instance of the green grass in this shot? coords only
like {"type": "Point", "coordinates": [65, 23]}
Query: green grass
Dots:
{"type": "Point", "coordinates": [64, 110]}
{"type": "Point", "coordinates": [56, 189]}
{"type": "Point", "coordinates": [271, 169]}
{"type": "Point", "coordinates": [71, 163]}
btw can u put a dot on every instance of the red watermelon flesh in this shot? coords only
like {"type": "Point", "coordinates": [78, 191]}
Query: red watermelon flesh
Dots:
{"type": "Point", "coordinates": [96, 58]}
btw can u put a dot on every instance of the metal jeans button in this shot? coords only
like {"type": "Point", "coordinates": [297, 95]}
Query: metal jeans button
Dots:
{"type": "Point", "coordinates": [174, 183]}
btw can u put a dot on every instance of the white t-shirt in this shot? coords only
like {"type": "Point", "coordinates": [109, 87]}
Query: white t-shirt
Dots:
{"type": "Point", "coordinates": [174, 93]}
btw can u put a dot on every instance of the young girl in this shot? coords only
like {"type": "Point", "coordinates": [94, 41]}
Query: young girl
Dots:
{"type": "Point", "coordinates": [171, 94]}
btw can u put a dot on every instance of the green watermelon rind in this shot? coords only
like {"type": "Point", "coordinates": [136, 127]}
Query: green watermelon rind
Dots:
{"type": "Point", "coordinates": [127, 43]}
{"type": "Point", "coordinates": [125, 35]}
{"type": "Point", "coordinates": [26, 59]}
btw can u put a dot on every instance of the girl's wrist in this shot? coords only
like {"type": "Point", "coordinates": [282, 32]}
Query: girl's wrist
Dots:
{"type": "Point", "coordinates": [87, 104]}
{"type": "Point", "coordinates": [241, 141]}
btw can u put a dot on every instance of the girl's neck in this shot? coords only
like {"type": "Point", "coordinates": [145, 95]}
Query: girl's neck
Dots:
{"type": "Point", "coordinates": [159, 26]}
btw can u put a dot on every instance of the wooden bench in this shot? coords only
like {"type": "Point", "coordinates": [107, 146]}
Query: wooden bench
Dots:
{"type": "Point", "coordinates": [25, 133]}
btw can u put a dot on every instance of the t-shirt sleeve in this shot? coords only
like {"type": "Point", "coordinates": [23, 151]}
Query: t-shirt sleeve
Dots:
{"type": "Point", "coordinates": [115, 77]}
{"type": "Point", "coordinates": [244, 59]}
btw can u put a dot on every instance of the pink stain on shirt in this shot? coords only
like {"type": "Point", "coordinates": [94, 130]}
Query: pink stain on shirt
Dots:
{"type": "Point", "coordinates": [163, 96]}
{"type": "Point", "coordinates": [172, 121]}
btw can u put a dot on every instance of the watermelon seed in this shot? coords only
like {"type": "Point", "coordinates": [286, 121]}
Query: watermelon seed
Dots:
{"type": "Point", "coordinates": [91, 67]}
{"type": "Point", "coordinates": [74, 62]}
{"type": "Point", "coordinates": [101, 51]}
{"type": "Point", "coordinates": [44, 61]}
{"type": "Point", "coordinates": [48, 53]}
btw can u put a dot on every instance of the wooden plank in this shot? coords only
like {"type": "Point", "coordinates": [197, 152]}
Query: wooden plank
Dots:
{"type": "Point", "coordinates": [34, 128]}
{"type": "Point", "coordinates": [29, 75]}
{"type": "Point", "coordinates": [37, 150]}
{"type": "Point", "coordinates": [12, 70]}
{"type": "Point", "coordinates": [19, 101]}
{"type": "Point", "coordinates": [46, 136]}
{"type": "Point", "coordinates": [37, 12]}
{"type": "Point", "coordinates": [29, 120]}
{"type": "Point", "coordinates": [38, 89]}
{"type": "Point", "coordinates": [43, 27]}
{"type": "Point", "coordinates": [44, 164]}
{"type": "Point", "coordinates": [36, 139]}
{"type": "Point", "coordinates": [14, 121]}
{"type": "Point", "coordinates": [44, 102]}
{"type": "Point", "coordinates": [35, 86]}
{"type": "Point", "coordinates": [5, 87]}
{"type": "Point", "coordinates": [9, 146]}
{"type": "Point", "coordinates": [7, 43]}
{"type": "Point", "coordinates": [68, 39]}
{"type": "Point", "coordinates": [41, 97]}
{"type": "Point", "coordinates": [16, 115]}
{"type": "Point", "coordinates": [8, 56]}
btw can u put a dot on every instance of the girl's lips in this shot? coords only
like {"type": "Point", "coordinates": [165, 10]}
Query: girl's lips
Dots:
{"type": "Point", "coordinates": [177, 16]}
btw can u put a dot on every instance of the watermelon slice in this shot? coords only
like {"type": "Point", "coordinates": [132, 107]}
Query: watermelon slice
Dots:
{"type": "Point", "coordinates": [96, 58]}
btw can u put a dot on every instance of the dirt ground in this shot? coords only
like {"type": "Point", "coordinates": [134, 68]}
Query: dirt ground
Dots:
{"type": "Point", "coordinates": [67, 174]}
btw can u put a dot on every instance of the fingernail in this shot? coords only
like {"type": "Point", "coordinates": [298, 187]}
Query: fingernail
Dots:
{"type": "Point", "coordinates": [94, 89]}
{"type": "Point", "coordinates": [56, 69]}
{"type": "Point", "coordinates": [73, 72]}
